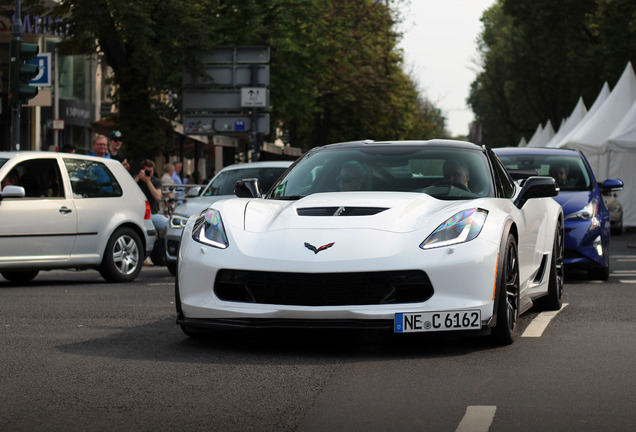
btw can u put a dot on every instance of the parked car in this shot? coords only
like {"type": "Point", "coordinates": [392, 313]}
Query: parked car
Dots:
{"type": "Point", "coordinates": [62, 210]}
{"type": "Point", "coordinates": [415, 236]}
{"type": "Point", "coordinates": [587, 220]}
{"type": "Point", "coordinates": [221, 186]}
{"type": "Point", "coordinates": [615, 209]}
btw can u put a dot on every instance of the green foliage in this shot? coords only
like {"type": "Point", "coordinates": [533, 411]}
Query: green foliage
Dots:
{"type": "Point", "coordinates": [540, 56]}
{"type": "Point", "coordinates": [335, 71]}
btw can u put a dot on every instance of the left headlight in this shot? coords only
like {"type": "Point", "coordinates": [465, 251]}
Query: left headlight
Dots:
{"type": "Point", "coordinates": [587, 213]}
{"type": "Point", "coordinates": [177, 221]}
{"type": "Point", "coordinates": [459, 228]}
{"type": "Point", "coordinates": [209, 230]}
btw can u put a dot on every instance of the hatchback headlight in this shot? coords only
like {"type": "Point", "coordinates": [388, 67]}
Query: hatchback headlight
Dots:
{"type": "Point", "coordinates": [461, 227]}
{"type": "Point", "coordinates": [177, 221]}
{"type": "Point", "coordinates": [587, 213]}
{"type": "Point", "coordinates": [209, 230]}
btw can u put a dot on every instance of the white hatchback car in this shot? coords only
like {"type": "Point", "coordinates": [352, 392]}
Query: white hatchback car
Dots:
{"type": "Point", "coordinates": [62, 210]}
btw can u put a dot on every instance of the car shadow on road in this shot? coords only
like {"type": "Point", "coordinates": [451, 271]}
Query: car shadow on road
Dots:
{"type": "Point", "coordinates": [164, 341]}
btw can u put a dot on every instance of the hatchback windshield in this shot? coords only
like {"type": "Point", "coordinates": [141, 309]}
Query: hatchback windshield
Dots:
{"type": "Point", "coordinates": [223, 184]}
{"type": "Point", "coordinates": [445, 173]}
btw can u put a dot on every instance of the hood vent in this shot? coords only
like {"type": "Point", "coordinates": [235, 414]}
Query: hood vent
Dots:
{"type": "Point", "coordinates": [340, 211]}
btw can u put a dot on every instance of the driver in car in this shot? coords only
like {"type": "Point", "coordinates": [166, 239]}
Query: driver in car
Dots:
{"type": "Point", "coordinates": [457, 173]}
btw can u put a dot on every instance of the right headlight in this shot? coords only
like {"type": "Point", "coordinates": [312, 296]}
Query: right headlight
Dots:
{"type": "Point", "coordinates": [177, 221]}
{"type": "Point", "coordinates": [209, 230]}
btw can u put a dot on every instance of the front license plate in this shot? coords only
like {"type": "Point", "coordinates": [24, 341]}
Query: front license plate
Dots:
{"type": "Point", "coordinates": [437, 321]}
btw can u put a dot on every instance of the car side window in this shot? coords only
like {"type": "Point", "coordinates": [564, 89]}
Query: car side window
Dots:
{"type": "Point", "coordinates": [507, 187]}
{"type": "Point", "coordinates": [91, 179]}
{"type": "Point", "coordinates": [40, 178]}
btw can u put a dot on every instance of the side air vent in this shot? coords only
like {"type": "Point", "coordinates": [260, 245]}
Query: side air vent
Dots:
{"type": "Point", "coordinates": [340, 211]}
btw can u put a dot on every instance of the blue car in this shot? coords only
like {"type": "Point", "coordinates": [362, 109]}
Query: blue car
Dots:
{"type": "Point", "coordinates": [587, 220]}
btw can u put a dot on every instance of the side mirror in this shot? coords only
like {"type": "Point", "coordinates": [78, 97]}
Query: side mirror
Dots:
{"type": "Point", "coordinates": [536, 187]}
{"type": "Point", "coordinates": [610, 185]}
{"type": "Point", "coordinates": [247, 188]}
{"type": "Point", "coordinates": [12, 192]}
{"type": "Point", "coordinates": [193, 191]}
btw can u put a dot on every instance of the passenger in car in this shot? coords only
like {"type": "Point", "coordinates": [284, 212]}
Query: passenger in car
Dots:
{"type": "Point", "coordinates": [560, 174]}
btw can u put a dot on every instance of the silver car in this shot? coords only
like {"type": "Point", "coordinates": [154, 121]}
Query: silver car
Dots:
{"type": "Point", "coordinates": [220, 187]}
{"type": "Point", "coordinates": [61, 210]}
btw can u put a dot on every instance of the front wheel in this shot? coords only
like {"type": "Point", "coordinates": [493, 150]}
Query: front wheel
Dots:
{"type": "Point", "coordinates": [507, 328]}
{"type": "Point", "coordinates": [123, 257]}
{"type": "Point", "coordinates": [20, 276]}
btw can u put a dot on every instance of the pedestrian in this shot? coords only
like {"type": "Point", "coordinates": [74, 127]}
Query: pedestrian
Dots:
{"type": "Point", "coordinates": [176, 176]}
{"type": "Point", "coordinates": [68, 148]}
{"type": "Point", "coordinates": [167, 179]}
{"type": "Point", "coordinates": [151, 187]}
{"type": "Point", "coordinates": [115, 141]}
{"type": "Point", "coordinates": [100, 146]}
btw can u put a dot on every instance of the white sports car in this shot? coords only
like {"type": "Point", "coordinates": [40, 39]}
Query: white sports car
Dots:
{"type": "Point", "coordinates": [408, 236]}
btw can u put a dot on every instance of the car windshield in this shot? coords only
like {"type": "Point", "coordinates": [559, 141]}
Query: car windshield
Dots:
{"type": "Point", "coordinates": [445, 173]}
{"type": "Point", "coordinates": [569, 172]}
{"type": "Point", "coordinates": [223, 184]}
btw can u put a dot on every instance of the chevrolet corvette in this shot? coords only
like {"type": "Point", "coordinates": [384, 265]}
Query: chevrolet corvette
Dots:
{"type": "Point", "coordinates": [407, 236]}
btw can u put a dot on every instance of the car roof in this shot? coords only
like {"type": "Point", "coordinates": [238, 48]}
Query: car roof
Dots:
{"type": "Point", "coordinates": [262, 164]}
{"type": "Point", "coordinates": [445, 143]}
{"type": "Point", "coordinates": [535, 151]}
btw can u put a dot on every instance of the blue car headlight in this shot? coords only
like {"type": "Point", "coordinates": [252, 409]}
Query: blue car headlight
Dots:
{"type": "Point", "coordinates": [209, 230]}
{"type": "Point", "coordinates": [587, 213]}
{"type": "Point", "coordinates": [177, 221]}
{"type": "Point", "coordinates": [459, 228]}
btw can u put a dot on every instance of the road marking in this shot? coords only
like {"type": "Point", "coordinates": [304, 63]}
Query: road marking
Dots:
{"type": "Point", "coordinates": [539, 324]}
{"type": "Point", "coordinates": [478, 418]}
{"type": "Point", "coordinates": [628, 281]}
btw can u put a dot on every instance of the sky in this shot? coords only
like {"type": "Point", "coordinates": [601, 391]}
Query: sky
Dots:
{"type": "Point", "coordinates": [440, 52]}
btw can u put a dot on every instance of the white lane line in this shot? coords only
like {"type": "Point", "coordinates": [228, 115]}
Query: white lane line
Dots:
{"type": "Point", "coordinates": [539, 324]}
{"type": "Point", "coordinates": [478, 418]}
{"type": "Point", "coordinates": [628, 281]}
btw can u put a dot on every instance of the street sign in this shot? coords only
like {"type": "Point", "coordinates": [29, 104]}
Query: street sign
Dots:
{"type": "Point", "coordinates": [223, 123]}
{"type": "Point", "coordinates": [228, 76]}
{"type": "Point", "coordinates": [254, 97]}
{"type": "Point", "coordinates": [43, 78]}
{"type": "Point", "coordinates": [238, 54]}
{"type": "Point", "coordinates": [220, 100]}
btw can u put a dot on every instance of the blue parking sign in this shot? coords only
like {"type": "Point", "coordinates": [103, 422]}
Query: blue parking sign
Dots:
{"type": "Point", "coordinates": [43, 78]}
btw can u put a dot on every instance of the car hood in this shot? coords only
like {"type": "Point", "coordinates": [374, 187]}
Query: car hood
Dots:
{"type": "Point", "coordinates": [573, 201]}
{"type": "Point", "coordinates": [198, 204]}
{"type": "Point", "coordinates": [385, 211]}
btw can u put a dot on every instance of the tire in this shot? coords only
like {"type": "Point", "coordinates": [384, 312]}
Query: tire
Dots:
{"type": "Point", "coordinates": [123, 257]}
{"type": "Point", "coordinates": [20, 276]}
{"type": "Point", "coordinates": [172, 267]}
{"type": "Point", "coordinates": [158, 254]}
{"type": "Point", "coordinates": [507, 327]}
{"type": "Point", "coordinates": [599, 273]}
{"type": "Point", "coordinates": [554, 299]}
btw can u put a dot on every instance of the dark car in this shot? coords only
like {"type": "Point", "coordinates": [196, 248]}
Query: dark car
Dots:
{"type": "Point", "coordinates": [587, 219]}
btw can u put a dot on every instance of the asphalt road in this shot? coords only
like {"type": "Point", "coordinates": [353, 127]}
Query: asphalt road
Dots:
{"type": "Point", "coordinates": [79, 354]}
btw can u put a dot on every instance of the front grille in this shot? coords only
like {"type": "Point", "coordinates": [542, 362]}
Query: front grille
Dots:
{"type": "Point", "coordinates": [323, 289]}
{"type": "Point", "coordinates": [340, 211]}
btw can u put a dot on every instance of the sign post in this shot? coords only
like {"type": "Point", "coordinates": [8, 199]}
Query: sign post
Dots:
{"type": "Point", "coordinates": [231, 96]}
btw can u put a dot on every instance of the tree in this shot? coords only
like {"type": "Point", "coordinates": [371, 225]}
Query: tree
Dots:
{"type": "Point", "coordinates": [538, 57]}
{"type": "Point", "coordinates": [336, 73]}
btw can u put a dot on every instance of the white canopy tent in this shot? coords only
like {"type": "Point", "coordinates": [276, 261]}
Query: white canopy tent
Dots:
{"type": "Point", "coordinates": [597, 128]}
{"type": "Point", "coordinates": [619, 154]}
{"type": "Point", "coordinates": [567, 125]}
{"type": "Point", "coordinates": [536, 136]}
{"type": "Point", "coordinates": [542, 135]}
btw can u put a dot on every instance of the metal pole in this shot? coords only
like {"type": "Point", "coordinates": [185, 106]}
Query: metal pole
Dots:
{"type": "Point", "coordinates": [56, 101]}
{"type": "Point", "coordinates": [14, 77]}
{"type": "Point", "coordinates": [254, 79]}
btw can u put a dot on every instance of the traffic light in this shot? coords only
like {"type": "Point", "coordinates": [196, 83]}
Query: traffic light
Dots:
{"type": "Point", "coordinates": [21, 72]}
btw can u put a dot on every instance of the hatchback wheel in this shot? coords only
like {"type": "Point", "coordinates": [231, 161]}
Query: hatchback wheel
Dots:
{"type": "Point", "coordinates": [123, 257]}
